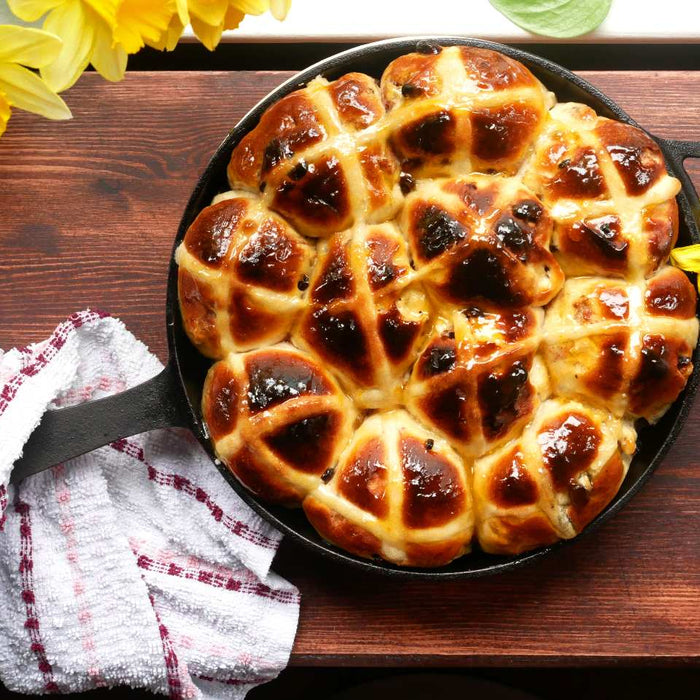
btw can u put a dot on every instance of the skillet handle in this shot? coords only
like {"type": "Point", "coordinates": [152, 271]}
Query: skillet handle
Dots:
{"type": "Point", "coordinates": [677, 152]}
{"type": "Point", "coordinates": [69, 432]}
{"type": "Point", "coordinates": [684, 149]}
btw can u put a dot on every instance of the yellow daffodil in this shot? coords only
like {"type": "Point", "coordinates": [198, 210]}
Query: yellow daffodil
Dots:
{"type": "Point", "coordinates": [687, 258]}
{"type": "Point", "coordinates": [101, 32]}
{"type": "Point", "coordinates": [86, 27]}
{"type": "Point", "coordinates": [104, 32]}
{"type": "Point", "coordinates": [21, 87]}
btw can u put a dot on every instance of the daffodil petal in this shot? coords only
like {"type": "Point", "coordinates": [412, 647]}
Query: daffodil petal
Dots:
{"type": "Point", "coordinates": [109, 60]}
{"type": "Point", "coordinates": [5, 112]}
{"type": "Point", "coordinates": [70, 22]}
{"type": "Point", "coordinates": [280, 8]}
{"type": "Point", "coordinates": [106, 9]}
{"type": "Point", "coordinates": [142, 21]}
{"type": "Point", "coordinates": [31, 10]}
{"type": "Point", "coordinates": [687, 258]}
{"type": "Point", "coordinates": [182, 12]}
{"type": "Point", "coordinates": [28, 46]}
{"type": "Point", "coordinates": [210, 12]}
{"type": "Point", "coordinates": [251, 7]}
{"type": "Point", "coordinates": [206, 33]}
{"type": "Point", "coordinates": [168, 40]}
{"type": "Point", "coordinates": [26, 90]}
{"type": "Point", "coordinates": [233, 18]}
{"type": "Point", "coordinates": [174, 33]}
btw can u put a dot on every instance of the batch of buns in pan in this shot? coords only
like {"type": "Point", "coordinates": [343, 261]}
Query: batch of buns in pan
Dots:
{"type": "Point", "coordinates": [438, 304]}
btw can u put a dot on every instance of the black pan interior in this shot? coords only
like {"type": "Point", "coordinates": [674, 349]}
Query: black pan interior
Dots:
{"type": "Point", "coordinates": [192, 367]}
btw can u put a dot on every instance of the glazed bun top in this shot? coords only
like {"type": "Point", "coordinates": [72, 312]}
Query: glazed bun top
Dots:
{"type": "Point", "coordinates": [481, 240]}
{"type": "Point", "coordinates": [606, 187]}
{"type": "Point", "coordinates": [462, 109]}
{"type": "Point", "coordinates": [318, 158]}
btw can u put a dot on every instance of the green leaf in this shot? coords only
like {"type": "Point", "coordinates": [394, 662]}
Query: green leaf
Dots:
{"type": "Point", "coordinates": [557, 18]}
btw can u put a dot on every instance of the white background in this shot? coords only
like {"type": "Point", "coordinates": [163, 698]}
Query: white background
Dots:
{"type": "Point", "coordinates": [364, 20]}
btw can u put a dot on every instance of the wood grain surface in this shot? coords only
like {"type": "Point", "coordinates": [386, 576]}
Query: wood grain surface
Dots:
{"type": "Point", "coordinates": [88, 211]}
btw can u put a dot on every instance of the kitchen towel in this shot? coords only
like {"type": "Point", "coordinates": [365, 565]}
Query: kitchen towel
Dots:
{"type": "Point", "coordinates": [135, 564]}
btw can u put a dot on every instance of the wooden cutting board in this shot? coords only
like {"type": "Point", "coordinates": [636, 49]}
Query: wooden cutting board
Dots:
{"type": "Point", "coordinates": [88, 211]}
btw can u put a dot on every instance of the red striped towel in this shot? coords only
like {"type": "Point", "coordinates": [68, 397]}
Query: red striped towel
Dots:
{"type": "Point", "coordinates": [135, 564]}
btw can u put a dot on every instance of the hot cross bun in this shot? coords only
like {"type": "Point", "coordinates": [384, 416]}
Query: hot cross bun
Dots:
{"type": "Point", "coordinates": [606, 187]}
{"type": "Point", "coordinates": [481, 239]}
{"type": "Point", "coordinates": [365, 316]}
{"type": "Point", "coordinates": [627, 345]}
{"type": "Point", "coordinates": [277, 419]}
{"type": "Point", "coordinates": [319, 158]}
{"type": "Point", "coordinates": [238, 282]}
{"type": "Point", "coordinates": [462, 109]}
{"type": "Point", "coordinates": [553, 479]}
{"type": "Point", "coordinates": [398, 492]}
{"type": "Point", "coordinates": [478, 380]}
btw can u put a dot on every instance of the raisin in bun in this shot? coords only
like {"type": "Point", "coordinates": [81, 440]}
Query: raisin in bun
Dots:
{"type": "Point", "coordinates": [277, 419]}
{"type": "Point", "coordinates": [398, 492]}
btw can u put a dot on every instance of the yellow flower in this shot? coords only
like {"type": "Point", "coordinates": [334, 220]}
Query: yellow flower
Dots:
{"type": "Point", "coordinates": [21, 87]}
{"type": "Point", "coordinates": [687, 258]}
{"type": "Point", "coordinates": [177, 22]}
{"type": "Point", "coordinates": [104, 32]}
{"type": "Point", "coordinates": [86, 27]}
{"type": "Point", "coordinates": [101, 32]}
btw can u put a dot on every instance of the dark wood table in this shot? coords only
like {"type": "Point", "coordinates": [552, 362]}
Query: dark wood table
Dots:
{"type": "Point", "coordinates": [88, 211]}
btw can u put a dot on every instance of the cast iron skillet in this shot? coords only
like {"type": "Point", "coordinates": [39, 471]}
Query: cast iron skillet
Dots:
{"type": "Point", "coordinates": [173, 397]}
